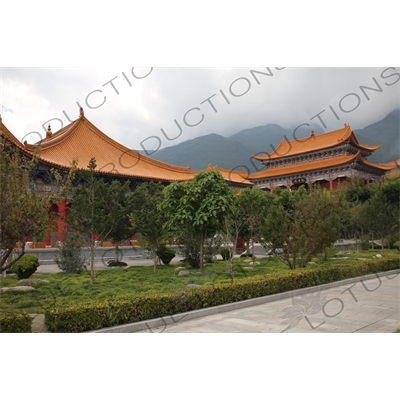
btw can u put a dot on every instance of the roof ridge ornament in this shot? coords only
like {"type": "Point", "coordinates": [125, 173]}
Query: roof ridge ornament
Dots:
{"type": "Point", "coordinates": [312, 133]}
{"type": "Point", "coordinates": [49, 133]}
{"type": "Point", "coordinates": [81, 113]}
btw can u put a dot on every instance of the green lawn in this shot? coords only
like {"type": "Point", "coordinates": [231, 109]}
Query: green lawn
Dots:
{"type": "Point", "coordinates": [119, 283]}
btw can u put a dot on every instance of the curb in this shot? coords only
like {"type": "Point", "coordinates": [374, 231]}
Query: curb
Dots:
{"type": "Point", "coordinates": [190, 315]}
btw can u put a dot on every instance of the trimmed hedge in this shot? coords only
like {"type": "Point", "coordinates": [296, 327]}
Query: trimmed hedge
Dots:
{"type": "Point", "coordinates": [117, 264]}
{"type": "Point", "coordinates": [166, 254]}
{"type": "Point", "coordinates": [15, 322]}
{"type": "Point", "coordinates": [25, 266]}
{"type": "Point", "coordinates": [92, 316]}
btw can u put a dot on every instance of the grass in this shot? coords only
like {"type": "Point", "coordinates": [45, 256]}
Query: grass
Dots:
{"type": "Point", "coordinates": [66, 289]}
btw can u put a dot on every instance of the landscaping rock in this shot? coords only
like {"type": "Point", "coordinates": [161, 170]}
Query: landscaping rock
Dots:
{"type": "Point", "coordinates": [192, 285]}
{"type": "Point", "coordinates": [378, 256]}
{"type": "Point", "coordinates": [183, 273]}
{"type": "Point", "coordinates": [31, 282]}
{"type": "Point", "coordinates": [17, 289]}
{"type": "Point", "coordinates": [247, 260]}
{"type": "Point", "coordinates": [255, 263]}
{"type": "Point", "coordinates": [178, 269]}
{"type": "Point", "coordinates": [248, 268]}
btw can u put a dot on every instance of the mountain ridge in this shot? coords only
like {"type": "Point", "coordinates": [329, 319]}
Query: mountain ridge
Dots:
{"type": "Point", "coordinates": [236, 151]}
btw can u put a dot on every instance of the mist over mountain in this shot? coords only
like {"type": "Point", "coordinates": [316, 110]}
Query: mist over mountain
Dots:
{"type": "Point", "coordinates": [264, 139]}
{"type": "Point", "coordinates": [235, 151]}
{"type": "Point", "coordinates": [385, 132]}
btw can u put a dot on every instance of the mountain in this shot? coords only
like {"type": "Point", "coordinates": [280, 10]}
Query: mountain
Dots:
{"type": "Point", "coordinates": [264, 139]}
{"type": "Point", "coordinates": [209, 149]}
{"type": "Point", "coordinates": [234, 152]}
{"type": "Point", "coordinates": [385, 132]}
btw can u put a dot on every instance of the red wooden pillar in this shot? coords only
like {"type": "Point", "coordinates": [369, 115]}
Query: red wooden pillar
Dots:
{"type": "Point", "coordinates": [62, 214]}
{"type": "Point", "coordinates": [368, 181]}
{"type": "Point", "coordinates": [330, 184]}
{"type": "Point", "coordinates": [51, 225]}
{"type": "Point", "coordinates": [47, 239]}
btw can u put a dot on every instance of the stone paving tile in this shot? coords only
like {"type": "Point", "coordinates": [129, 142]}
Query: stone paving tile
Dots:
{"type": "Point", "coordinates": [374, 311]}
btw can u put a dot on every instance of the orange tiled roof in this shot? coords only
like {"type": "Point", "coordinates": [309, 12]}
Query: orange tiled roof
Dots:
{"type": "Point", "coordinates": [316, 165]}
{"type": "Point", "coordinates": [4, 132]}
{"type": "Point", "coordinates": [315, 142]}
{"type": "Point", "coordinates": [395, 171]}
{"type": "Point", "coordinates": [81, 140]}
{"type": "Point", "coordinates": [231, 175]}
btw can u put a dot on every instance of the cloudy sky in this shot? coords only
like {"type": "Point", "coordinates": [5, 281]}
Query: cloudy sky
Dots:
{"type": "Point", "coordinates": [147, 108]}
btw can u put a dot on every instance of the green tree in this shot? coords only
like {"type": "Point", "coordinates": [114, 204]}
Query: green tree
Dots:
{"type": "Point", "coordinates": [236, 224]}
{"type": "Point", "coordinates": [87, 214]}
{"type": "Point", "coordinates": [357, 191]}
{"type": "Point", "coordinates": [146, 217]}
{"type": "Point", "coordinates": [303, 225]}
{"type": "Point", "coordinates": [380, 216]}
{"type": "Point", "coordinates": [198, 207]}
{"type": "Point", "coordinates": [252, 207]}
{"type": "Point", "coordinates": [24, 212]}
{"type": "Point", "coordinates": [118, 203]}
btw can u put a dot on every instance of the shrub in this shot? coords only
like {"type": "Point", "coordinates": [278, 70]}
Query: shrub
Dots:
{"type": "Point", "coordinates": [166, 254]}
{"type": "Point", "coordinates": [114, 263]}
{"type": "Point", "coordinates": [396, 245]}
{"type": "Point", "coordinates": [226, 253]}
{"type": "Point", "coordinates": [25, 266]}
{"type": "Point", "coordinates": [15, 322]}
{"type": "Point", "coordinates": [70, 258]}
{"type": "Point", "coordinates": [91, 316]}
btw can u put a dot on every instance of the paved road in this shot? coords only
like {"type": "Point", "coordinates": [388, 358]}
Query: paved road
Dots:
{"type": "Point", "coordinates": [52, 268]}
{"type": "Point", "coordinates": [367, 304]}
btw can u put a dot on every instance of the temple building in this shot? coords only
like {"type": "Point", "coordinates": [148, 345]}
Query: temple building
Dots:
{"type": "Point", "coordinates": [81, 141]}
{"type": "Point", "coordinates": [327, 160]}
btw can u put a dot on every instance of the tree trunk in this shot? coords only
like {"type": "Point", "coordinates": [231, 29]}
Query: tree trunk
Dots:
{"type": "Point", "coordinates": [155, 258]}
{"type": "Point", "coordinates": [116, 251]}
{"type": "Point", "coordinates": [8, 255]}
{"type": "Point", "coordinates": [202, 254]}
{"type": "Point", "coordinates": [4, 264]}
{"type": "Point", "coordinates": [253, 257]}
{"type": "Point", "coordinates": [92, 273]}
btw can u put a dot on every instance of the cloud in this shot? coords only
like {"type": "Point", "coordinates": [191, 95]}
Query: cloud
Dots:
{"type": "Point", "coordinates": [177, 104]}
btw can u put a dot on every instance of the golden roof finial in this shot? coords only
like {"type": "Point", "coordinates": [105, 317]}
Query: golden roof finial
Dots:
{"type": "Point", "coordinates": [81, 113]}
{"type": "Point", "coordinates": [49, 132]}
{"type": "Point", "coordinates": [312, 133]}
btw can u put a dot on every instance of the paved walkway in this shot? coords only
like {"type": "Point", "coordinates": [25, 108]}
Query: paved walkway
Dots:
{"type": "Point", "coordinates": [365, 304]}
